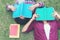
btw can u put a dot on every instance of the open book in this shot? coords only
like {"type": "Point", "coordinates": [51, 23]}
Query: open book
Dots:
{"type": "Point", "coordinates": [26, 12]}
{"type": "Point", "coordinates": [45, 13]}
{"type": "Point", "coordinates": [23, 10]}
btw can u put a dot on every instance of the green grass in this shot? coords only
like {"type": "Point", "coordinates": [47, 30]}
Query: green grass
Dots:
{"type": "Point", "coordinates": [6, 19]}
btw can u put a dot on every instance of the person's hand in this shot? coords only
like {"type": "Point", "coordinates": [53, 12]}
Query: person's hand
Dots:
{"type": "Point", "coordinates": [12, 8]}
{"type": "Point", "coordinates": [54, 15]}
{"type": "Point", "coordinates": [21, 17]}
{"type": "Point", "coordinates": [57, 15]}
{"type": "Point", "coordinates": [34, 6]}
{"type": "Point", "coordinates": [31, 8]}
{"type": "Point", "coordinates": [34, 16]}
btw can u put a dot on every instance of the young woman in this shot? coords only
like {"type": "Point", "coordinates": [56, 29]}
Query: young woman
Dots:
{"type": "Point", "coordinates": [16, 12]}
{"type": "Point", "coordinates": [47, 30]}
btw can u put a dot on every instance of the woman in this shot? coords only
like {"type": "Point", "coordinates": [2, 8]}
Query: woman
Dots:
{"type": "Point", "coordinates": [16, 12]}
{"type": "Point", "coordinates": [47, 30]}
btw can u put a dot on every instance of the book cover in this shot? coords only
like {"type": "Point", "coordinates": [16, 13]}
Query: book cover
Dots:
{"type": "Point", "coordinates": [26, 12]}
{"type": "Point", "coordinates": [45, 13]}
{"type": "Point", "coordinates": [23, 10]}
{"type": "Point", "coordinates": [14, 31]}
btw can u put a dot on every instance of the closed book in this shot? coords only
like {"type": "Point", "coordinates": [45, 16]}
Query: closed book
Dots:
{"type": "Point", "coordinates": [14, 31]}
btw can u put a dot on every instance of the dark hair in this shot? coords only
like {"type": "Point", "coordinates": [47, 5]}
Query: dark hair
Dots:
{"type": "Point", "coordinates": [34, 11]}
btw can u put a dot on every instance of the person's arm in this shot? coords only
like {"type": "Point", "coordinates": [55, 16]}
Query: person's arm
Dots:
{"type": "Point", "coordinates": [58, 24]}
{"type": "Point", "coordinates": [56, 15]}
{"type": "Point", "coordinates": [34, 6]}
{"type": "Point", "coordinates": [28, 24]}
{"type": "Point", "coordinates": [40, 4]}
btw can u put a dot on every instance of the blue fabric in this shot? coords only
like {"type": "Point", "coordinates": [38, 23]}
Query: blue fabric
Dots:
{"type": "Point", "coordinates": [45, 13]}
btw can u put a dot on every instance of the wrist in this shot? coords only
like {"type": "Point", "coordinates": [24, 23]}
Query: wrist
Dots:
{"type": "Point", "coordinates": [32, 19]}
{"type": "Point", "coordinates": [37, 5]}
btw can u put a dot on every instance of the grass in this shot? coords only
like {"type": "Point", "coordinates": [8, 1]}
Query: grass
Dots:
{"type": "Point", "coordinates": [6, 19]}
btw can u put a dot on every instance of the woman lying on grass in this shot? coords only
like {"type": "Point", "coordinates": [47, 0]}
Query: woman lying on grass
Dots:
{"type": "Point", "coordinates": [43, 30]}
{"type": "Point", "coordinates": [16, 12]}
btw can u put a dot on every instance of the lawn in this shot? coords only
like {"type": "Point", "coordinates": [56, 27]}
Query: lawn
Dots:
{"type": "Point", "coordinates": [6, 19]}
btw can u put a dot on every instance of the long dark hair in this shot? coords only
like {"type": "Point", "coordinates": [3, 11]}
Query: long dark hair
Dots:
{"type": "Point", "coordinates": [34, 11]}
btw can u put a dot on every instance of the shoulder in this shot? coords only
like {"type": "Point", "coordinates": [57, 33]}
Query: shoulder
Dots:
{"type": "Point", "coordinates": [37, 22]}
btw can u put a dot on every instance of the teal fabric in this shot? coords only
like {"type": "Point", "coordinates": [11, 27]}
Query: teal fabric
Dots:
{"type": "Point", "coordinates": [45, 13]}
{"type": "Point", "coordinates": [18, 11]}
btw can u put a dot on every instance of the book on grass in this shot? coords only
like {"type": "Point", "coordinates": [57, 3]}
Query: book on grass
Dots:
{"type": "Point", "coordinates": [45, 13]}
{"type": "Point", "coordinates": [14, 31]}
